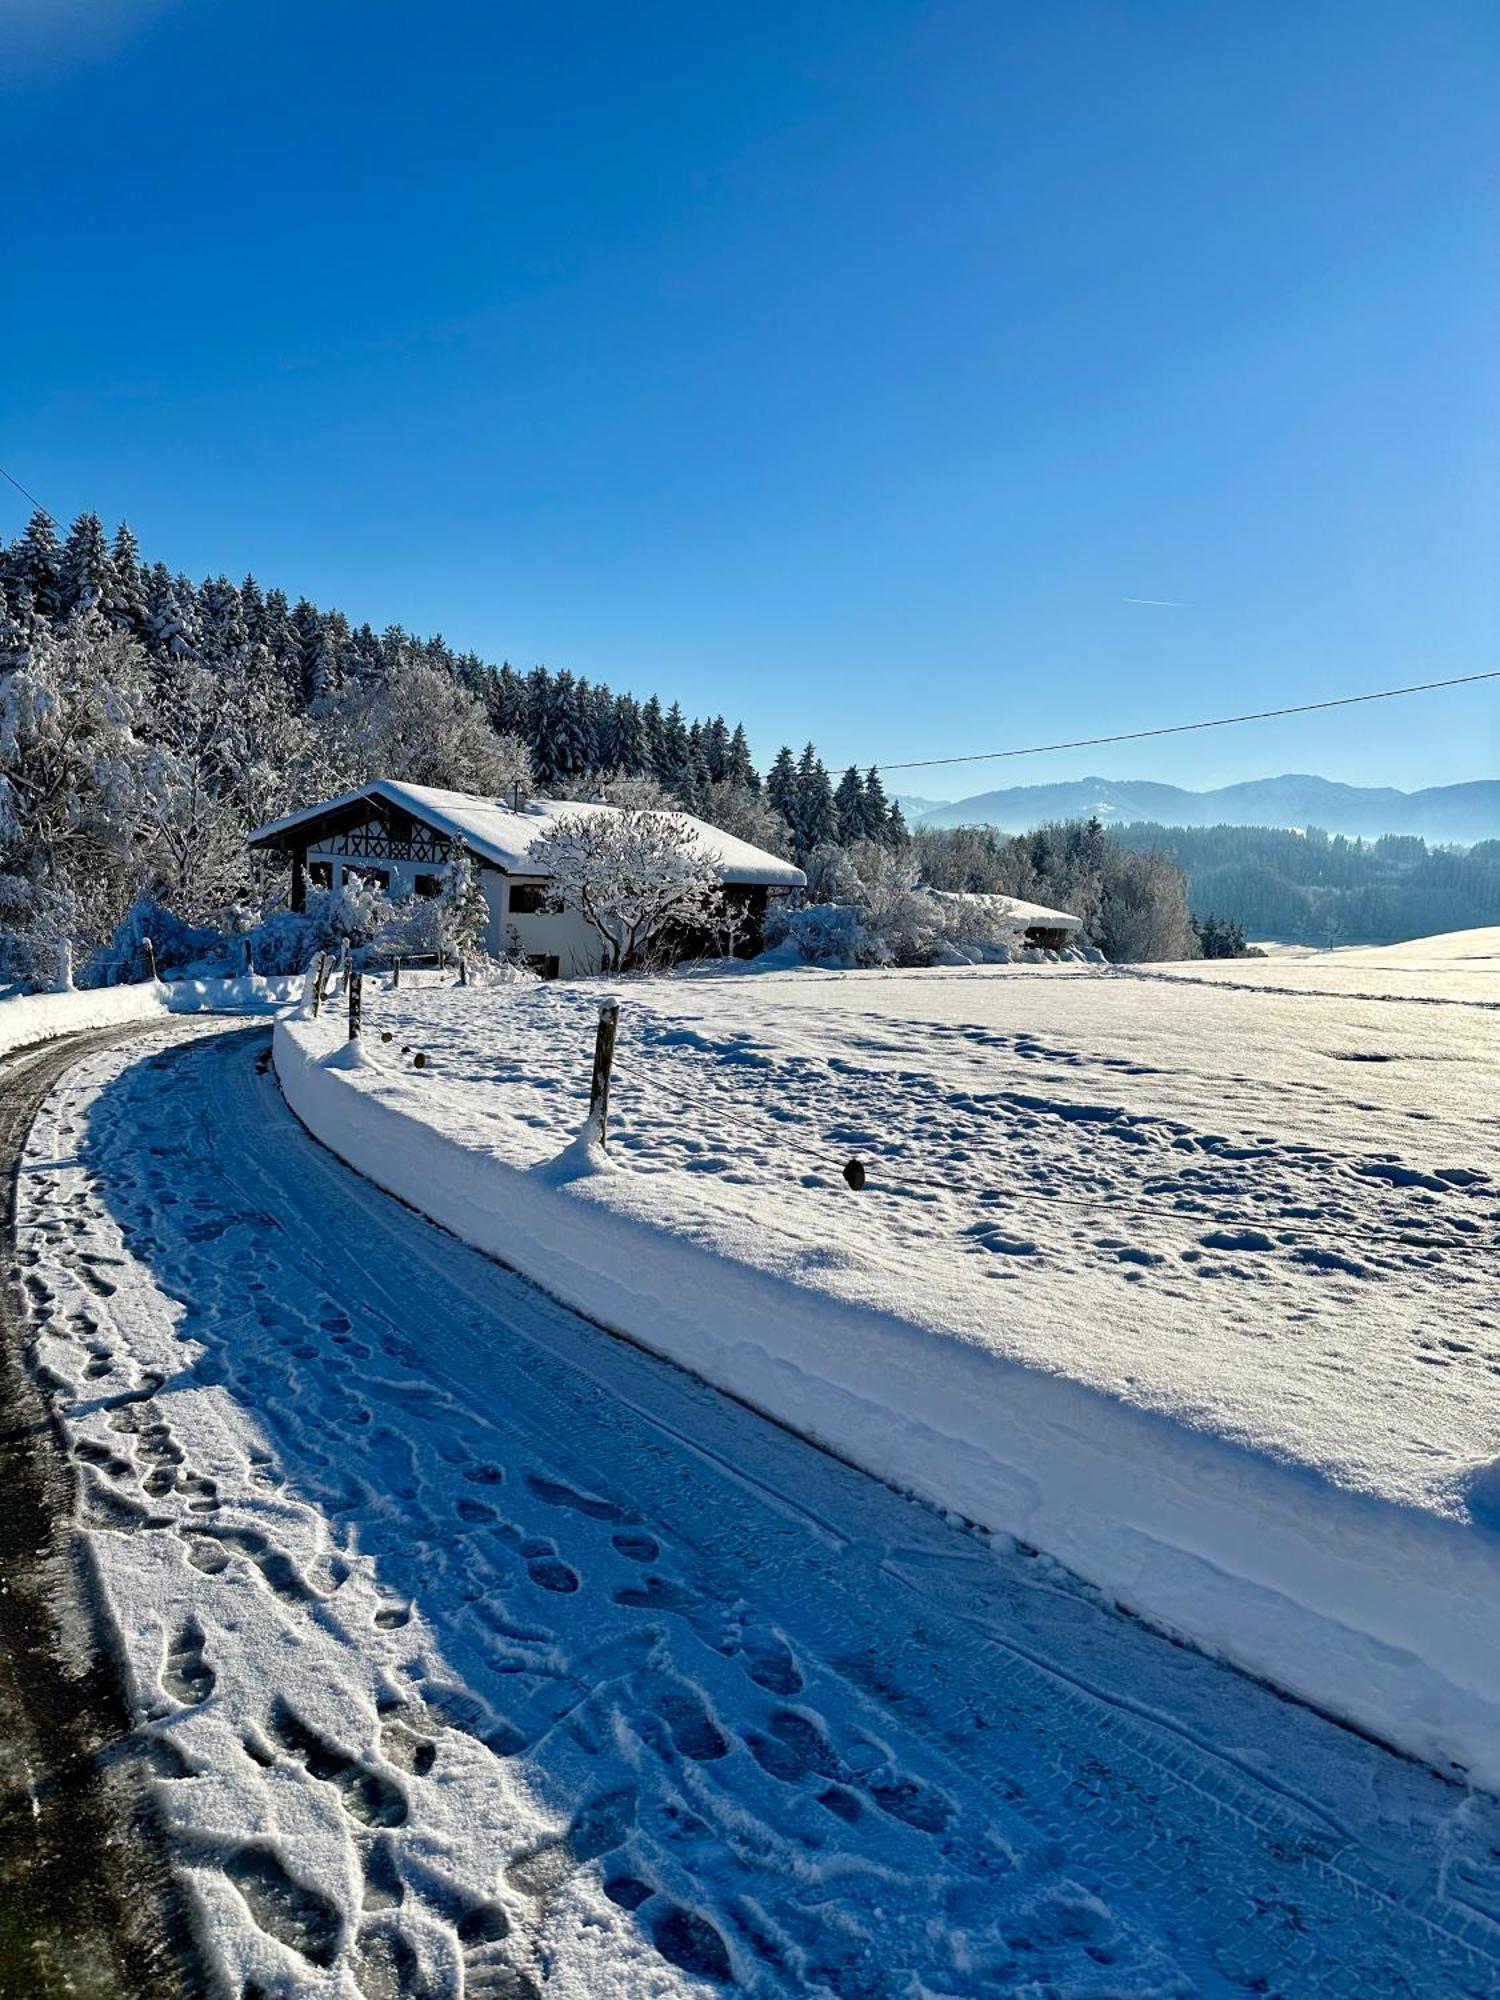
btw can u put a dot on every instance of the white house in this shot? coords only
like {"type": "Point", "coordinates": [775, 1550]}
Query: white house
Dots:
{"type": "Point", "coordinates": [404, 836]}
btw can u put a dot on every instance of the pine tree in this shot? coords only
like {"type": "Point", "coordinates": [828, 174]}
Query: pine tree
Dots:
{"type": "Point", "coordinates": [738, 764]}
{"type": "Point", "coordinates": [35, 566]}
{"type": "Point", "coordinates": [694, 785]}
{"type": "Point", "coordinates": [318, 648]}
{"type": "Point", "coordinates": [674, 747]}
{"type": "Point", "coordinates": [222, 622]}
{"type": "Point", "coordinates": [816, 822]}
{"type": "Point", "coordinates": [566, 743]}
{"type": "Point", "coordinates": [280, 641]}
{"type": "Point", "coordinates": [849, 804]}
{"type": "Point", "coordinates": [171, 617]}
{"type": "Point", "coordinates": [878, 810]}
{"type": "Point", "coordinates": [654, 728]}
{"type": "Point", "coordinates": [716, 748]}
{"type": "Point", "coordinates": [781, 785]}
{"type": "Point", "coordinates": [505, 701]}
{"type": "Point", "coordinates": [604, 751]}
{"type": "Point", "coordinates": [631, 750]}
{"type": "Point", "coordinates": [86, 570]}
{"type": "Point", "coordinates": [126, 609]}
{"type": "Point", "coordinates": [539, 724]}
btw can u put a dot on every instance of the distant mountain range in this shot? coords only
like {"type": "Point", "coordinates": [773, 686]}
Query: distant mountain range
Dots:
{"type": "Point", "coordinates": [1453, 814]}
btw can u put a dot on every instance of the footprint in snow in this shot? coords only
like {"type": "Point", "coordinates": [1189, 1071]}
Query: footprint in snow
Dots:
{"type": "Point", "coordinates": [367, 1796]}
{"type": "Point", "coordinates": [297, 1916]}
{"type": "Point", "coordinates": [186, 1675]}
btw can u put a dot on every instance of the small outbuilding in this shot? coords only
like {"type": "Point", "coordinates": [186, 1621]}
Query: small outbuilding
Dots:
{"type": "Point", "coordinates": [1041, 929]}
{"type": "Point", "coordinates": [405, 837]}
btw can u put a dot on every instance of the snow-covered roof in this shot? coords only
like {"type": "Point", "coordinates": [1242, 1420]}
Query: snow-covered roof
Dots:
{"type": "Point", "coordinates": [499, 833]}
{"type": "Point", "coordinates": [1034, 916]}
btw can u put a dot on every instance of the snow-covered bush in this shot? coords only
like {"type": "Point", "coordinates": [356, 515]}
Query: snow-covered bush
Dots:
{"type": "Point", "coordinates": [285, 942]}
{"type": "Point", "coordinates": [34, 918]}
{"type": "Point", "coordinates": [633, 876]}
{"type": "Point", "coordinates": [176, 944]}
{"type": "Point", "coordinates": [829, 934]}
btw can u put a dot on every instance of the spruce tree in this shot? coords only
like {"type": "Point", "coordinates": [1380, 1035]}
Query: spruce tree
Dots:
{"type": "Point", "coordinates": [35, 566]}
{"type": "Point", "coordinates": [716, 748]}
{"type": "Point", "coordinates": [674, 747]}
{"type": "Point", "coordinates": [86, 578]}
{"type": "Point", "coordinates": [539, 722]}
{"type": "Point", "coordinates": [505, 701]}
{"type": "Point", "coordinates": [127, 607]}
{"type": "Point", "coordinates": [816, 821]}
{"type": "Point", "coordinates": [781, 785]}
{"type": "Point", "coordinates": [631, 750]}
{"type": "Point", "coordinates": [654, 726]}
{"type": "Point", "coordinates": [738, 764]}
{"type": "Point", "coordinates": [877, 809]}
{"type": "Point", "coordinates": [221, 621]}
{"type": "Point", "coordinates": [849, 804]}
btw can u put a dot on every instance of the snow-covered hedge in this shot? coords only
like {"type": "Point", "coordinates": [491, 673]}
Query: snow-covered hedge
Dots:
{"type": "Point", "coordinates": [1382, 1612]}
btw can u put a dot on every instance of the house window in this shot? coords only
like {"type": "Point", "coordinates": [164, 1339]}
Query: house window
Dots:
{"type": "Point", "coordinates": [379, 878]}
{"type": "Point", "coordinates": [429, 886]}
{"type": "Point", "coordinates": [527, 899]}
{"type": "Point", "coordinates": [320, 874]}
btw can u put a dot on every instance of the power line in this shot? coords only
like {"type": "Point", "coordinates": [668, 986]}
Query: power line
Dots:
{"type": "Point", "coordinates": [1185, 728]}
{"type": "Point", "coordinates": [30, 496]}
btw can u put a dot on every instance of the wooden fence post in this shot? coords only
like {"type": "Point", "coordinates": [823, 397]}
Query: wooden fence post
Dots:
{"type": "Point", "coordinates": [463, 970]}
{"type": "Point", "coordinates": [604, 1057]}
{"type": "Point", "coordinates": [150, 950]}
{"type": "Point", "coordinates": [356, 984]}
{"type": "Point", "coordinates": [320, 983]}
{"type": "Point", "coordinates": [395, 974]}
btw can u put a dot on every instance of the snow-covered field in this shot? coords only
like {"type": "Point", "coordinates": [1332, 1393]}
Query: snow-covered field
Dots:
{"type": "Point", "coordinates": [480, 1654]}
{"type": "Point", "coordinates": [1186, 1275]}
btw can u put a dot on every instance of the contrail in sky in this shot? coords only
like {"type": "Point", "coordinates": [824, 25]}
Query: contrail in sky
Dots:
{"type": "Point", "coordinates": [1162, 603]}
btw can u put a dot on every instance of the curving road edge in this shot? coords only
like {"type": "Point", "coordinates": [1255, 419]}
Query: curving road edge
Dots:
{"type": "Point", "coordinates": [88, 1906]}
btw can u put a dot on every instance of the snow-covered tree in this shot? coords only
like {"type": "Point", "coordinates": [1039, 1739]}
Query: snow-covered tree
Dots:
{"type": "Point", "coordinates": [417, 724]}
{"type": "Point", "coordinates": [463, 912]}
{"type": "Point", "coordinates": [849, 805]}
{"type": "Point", "coordinates": [747, 814]}
{"type": "Point", "coordinates": [88, 582]}
{"type": "Point", "coordinates": [633, 876]}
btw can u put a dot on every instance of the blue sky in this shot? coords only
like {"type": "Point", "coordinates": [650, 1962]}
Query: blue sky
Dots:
{"type": "Point", "coordinates": [843, 367]}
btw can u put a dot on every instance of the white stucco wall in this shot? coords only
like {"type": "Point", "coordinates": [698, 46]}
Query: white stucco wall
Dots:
{"type": "Point", "coordinates": [559, 934]}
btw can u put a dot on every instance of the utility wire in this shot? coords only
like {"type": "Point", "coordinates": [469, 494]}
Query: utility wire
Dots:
{"type": "Point", "coordinates": [29, 495]}
{"type": "Point", "coordinates": [1185, 728]}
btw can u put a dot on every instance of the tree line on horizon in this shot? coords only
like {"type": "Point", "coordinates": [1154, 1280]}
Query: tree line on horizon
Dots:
{"type": "Point", "coordinates": [1327, 889]}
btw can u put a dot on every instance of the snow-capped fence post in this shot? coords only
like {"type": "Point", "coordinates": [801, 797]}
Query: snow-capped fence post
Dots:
{"type": "Point", "coordinates": [246, 965]}
{"type": "Point", "coordinates": [150, 950]}
{"type": "Point", "coordinates": [356, 984]}
{"type": "Point", "coordinates": [63, 980]}
{"type": "Point", "coordinates": [395, 975]}
{"type": "Point", "coordinates": [320, 984]}
{"type": "Point", "coordinates": [604, 1057]}
{"type": "Point", "coordinates": [463, 970]}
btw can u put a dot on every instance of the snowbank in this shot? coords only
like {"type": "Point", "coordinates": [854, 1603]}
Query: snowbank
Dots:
{"type": "Point", "coordinates": [26, 1018]}
{"type": "Point", "coordinates": [41, 1017]}
{"type": "Point", "coordinates": [1375, 1607]}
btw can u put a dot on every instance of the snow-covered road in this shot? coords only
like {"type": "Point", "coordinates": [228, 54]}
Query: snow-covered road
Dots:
{"type": "Point", "coordinates": [482, 1653]}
